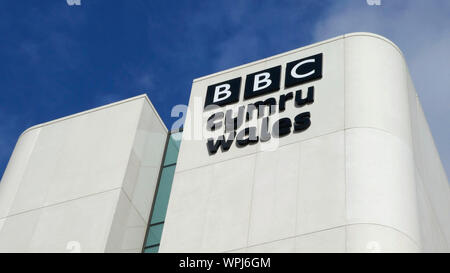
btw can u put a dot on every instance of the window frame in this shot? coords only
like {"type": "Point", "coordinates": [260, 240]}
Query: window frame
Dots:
{"type": "Point", "coordinates": [148, 226]}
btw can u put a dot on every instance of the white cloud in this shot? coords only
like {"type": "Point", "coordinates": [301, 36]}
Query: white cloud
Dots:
{"type": "Point", "coordinates": [422, 31]}
{"type": "Point", "coordinates": [250, 30]}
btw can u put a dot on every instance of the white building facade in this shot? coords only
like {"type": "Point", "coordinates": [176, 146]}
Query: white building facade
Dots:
{"type": "Point", "coordinates": [321, 149]}
{"type": "Point", "coordinates": [83, 183]}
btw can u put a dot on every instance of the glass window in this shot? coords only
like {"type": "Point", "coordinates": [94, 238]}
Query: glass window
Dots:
{"type": "Point", "coordinates": [153, 249]}
{"type": "Point", "coordinates": [154, 235]}
{"type": "Point", "coordinates": [172, 149]}
{"type": "Point", "coordinates": [162, 197]}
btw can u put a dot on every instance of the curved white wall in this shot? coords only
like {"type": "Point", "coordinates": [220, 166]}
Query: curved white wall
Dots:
{"type": "Point", "coordinates": [381, 188]}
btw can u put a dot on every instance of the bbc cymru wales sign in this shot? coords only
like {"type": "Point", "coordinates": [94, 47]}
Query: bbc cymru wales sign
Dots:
{"type": "Point", "coordinates": [257, 84]}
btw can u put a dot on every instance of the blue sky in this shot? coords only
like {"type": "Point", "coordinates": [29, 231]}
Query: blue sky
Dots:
{"type": "Point", "coordinates": [57, 60]}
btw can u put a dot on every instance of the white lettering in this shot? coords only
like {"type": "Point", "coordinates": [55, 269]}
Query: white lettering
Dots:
{"type": "Point", "coordinates": [294, 73]}
{"type": "Point", "coordinates": [222, 90]}
{"type": "Point", "coordinates": [265, 80]}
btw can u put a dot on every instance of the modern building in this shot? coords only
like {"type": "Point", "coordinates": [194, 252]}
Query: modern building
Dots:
{"type": "Point", "coordinates": [320, 149]}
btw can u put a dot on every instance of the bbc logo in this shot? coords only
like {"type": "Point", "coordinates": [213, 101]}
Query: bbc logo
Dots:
{"type": "Point", "coordinates": [265, 81]}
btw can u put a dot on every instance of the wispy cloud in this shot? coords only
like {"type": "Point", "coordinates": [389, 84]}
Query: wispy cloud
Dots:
{"type": "Point", "coordinates": [245, 31]}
